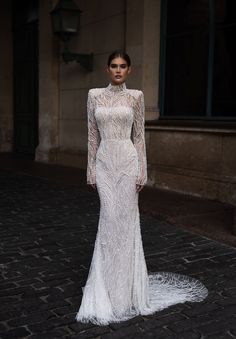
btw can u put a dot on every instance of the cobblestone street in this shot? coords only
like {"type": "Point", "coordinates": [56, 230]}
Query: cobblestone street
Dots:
{"type": "Point", "coordinates": [47, 233]}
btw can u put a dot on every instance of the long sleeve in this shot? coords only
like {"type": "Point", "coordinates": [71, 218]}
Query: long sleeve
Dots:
{"type": "Point", "coordinates": [139, 139]}
{"type": "Point", "coordinates": [93, 141]}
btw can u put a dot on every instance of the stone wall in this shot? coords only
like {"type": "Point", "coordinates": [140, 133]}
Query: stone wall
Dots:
{"type": "Point", "coordinates": [106, 26]}
{"type": "Point", "coordinates": [102, 30]}
{"type": "Point", "coordinates": [194, 161]}
{"type": "Point", "coordinates": [48, 86]}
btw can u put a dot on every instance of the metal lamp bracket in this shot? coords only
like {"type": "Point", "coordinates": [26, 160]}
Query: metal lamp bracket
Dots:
{"type": "Point", "coordinates": [85, 60]}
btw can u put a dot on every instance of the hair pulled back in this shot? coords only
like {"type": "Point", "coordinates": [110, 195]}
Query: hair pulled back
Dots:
{"type": "Point", "coordinates": [119, 54]}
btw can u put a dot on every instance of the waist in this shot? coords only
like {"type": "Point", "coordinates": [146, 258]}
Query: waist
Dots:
{"type": "Point", "coordinates": [115, 140]}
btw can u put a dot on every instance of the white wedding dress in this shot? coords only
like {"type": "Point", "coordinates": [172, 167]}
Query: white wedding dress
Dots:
{"type": "Point", "coordinates": [118, 286]}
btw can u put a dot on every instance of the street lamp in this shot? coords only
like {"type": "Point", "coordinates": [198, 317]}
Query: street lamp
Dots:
{"type": "Point", "coordinates": [65, 19]}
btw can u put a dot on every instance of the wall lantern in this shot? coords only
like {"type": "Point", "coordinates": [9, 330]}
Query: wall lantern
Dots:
{"type": "Point", "coordinates": [65, 19]}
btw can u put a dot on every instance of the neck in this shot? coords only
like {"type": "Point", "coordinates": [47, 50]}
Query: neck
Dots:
{"type": "Point", "coordinates": [116, 87]}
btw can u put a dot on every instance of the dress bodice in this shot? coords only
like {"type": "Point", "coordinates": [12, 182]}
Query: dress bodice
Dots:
{"type": "Point", "coordinates": [115, 113]}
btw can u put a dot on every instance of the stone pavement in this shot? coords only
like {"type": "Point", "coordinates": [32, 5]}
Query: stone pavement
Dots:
{"type": "Point", "coordinates": [47, 233]}
{"type": "Point", "coordinates": [206, 217]}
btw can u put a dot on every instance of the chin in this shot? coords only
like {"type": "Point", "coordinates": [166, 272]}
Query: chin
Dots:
{"type": "Point", "coordinates": [118, 82]}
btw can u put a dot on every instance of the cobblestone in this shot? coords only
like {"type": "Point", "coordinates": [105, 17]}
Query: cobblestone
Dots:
{"type": "Point", "coordinates": [47, 234]}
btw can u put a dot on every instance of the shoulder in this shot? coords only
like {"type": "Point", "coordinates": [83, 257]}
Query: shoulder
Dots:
{"type": "Point", "coordinates": [94, 92]}
{"type": "Point", "coordinates": [135, 93]}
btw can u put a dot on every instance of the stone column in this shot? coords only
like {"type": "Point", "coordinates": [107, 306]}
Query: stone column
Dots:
{"type": "Point", "coordinates": [151, 57]}
{"type": "Point", "coordinates": [6, 78]}
{"type": "Point", "coordinates": [134, 41]}
{"type": "Point", "coordinates": [143, 45]}
{"type": "Point", "coordinates": [49, 58]}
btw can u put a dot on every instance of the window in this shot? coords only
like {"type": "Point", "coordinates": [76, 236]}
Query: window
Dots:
{"type": "Point", "coordinates": [198, 59]}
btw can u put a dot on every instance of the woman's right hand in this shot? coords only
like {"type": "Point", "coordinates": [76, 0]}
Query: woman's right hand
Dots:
{"type": "Point", "coordinates": [93, 186]}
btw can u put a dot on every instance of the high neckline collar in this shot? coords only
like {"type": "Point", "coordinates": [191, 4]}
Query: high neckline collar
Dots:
{"type": "Point", "coordinates": [116, 88]}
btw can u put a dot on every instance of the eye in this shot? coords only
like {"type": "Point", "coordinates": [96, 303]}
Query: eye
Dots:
{"type": "Point", "coordinates": [113, 65]}
{"type": "Point", "coordinates": [123, 66]}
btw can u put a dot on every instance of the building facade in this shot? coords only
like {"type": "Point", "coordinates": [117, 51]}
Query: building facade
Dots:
{"type": "Point", "coordinates": [182, 58]}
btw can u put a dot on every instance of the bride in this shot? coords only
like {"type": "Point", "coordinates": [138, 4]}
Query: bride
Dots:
{"type": "Point", "coordinates": [118, 286]}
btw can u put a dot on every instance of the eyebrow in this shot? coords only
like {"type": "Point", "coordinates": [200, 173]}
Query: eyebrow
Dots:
{"type": "Point", "coordinates": [124, 64]}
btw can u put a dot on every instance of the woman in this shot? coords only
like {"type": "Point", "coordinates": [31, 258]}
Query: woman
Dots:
{"type": "Point", "coordinates": [118, 286]}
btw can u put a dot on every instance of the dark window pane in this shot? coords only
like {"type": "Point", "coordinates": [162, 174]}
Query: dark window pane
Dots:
{"type": "Point", "coordinates": [225, 12]}
{"type": "Point", "coordinates": [186, 15]}
{"type": "Point", "coordinates": [24, 12]}
{"type": "Point", "coordinates": [186, 59]}
{"type": "Point", "coordinates": [224, 85]}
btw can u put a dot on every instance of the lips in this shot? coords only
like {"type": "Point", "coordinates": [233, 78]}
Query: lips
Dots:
{"type": "Point", "coordinates": [117, 76]}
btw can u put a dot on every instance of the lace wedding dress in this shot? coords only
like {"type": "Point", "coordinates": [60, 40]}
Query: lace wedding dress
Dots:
{"type": "Point", "coordinates": [118, 286]}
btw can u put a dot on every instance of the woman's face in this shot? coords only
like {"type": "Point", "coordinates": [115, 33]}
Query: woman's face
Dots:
{"type": "Point", "coordinates": [118, 71]}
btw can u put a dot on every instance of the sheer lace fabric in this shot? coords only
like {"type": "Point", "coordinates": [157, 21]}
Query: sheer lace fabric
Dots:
{"type": "Point", "coordinates": [118, 285]}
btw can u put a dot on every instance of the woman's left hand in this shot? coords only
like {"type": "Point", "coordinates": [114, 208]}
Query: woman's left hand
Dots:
{"type": "Point", "coordinates": [139, 187]}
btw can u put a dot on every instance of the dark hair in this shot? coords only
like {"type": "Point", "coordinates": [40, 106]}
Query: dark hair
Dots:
{"type": "Point", "coordinates": [119, 54]}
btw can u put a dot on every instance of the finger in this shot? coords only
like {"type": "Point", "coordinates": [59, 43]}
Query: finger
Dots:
{"type": "Point", "coordinates": [138, 188]}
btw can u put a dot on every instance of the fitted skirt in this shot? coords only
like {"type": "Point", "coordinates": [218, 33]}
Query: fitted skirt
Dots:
{"type": "Point", "coordinates": [118, 285]}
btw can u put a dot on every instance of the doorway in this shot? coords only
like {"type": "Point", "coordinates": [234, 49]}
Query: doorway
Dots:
{"type": "Point", "coordinates": [25, 66]}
